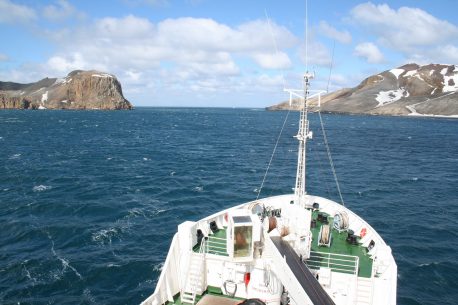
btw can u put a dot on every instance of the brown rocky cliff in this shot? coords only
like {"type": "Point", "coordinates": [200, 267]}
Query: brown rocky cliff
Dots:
{"type": "Point", "coordinates": [78, 90]}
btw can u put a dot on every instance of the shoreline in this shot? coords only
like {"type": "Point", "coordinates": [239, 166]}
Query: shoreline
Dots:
{"type": "Point", "coordinates": [411, 115]}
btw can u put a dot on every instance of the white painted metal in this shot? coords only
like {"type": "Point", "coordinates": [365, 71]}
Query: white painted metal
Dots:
{"type": "Point", "coordinates": [302, 136]}
{"type": "Point", "coordinates": [286, 275]}
{"type": "Point", "coordinates": [194, 278]}
{"type": "Point", "coordinates": [344, 263]}
{"type": "Point", "coordinates": [345, 288]}
{"type": "Point", "coordinates": [364, 291]}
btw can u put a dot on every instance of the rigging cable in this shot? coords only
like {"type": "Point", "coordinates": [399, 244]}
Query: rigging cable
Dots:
{"type": "Point", "coordinates": [306, 36]}
{"type": "Point", "coordinates": [275, 45]}
{"type": "Point", "coordinates": [287, 114]}
{"type": "Point", "coordinates": [273, 153]}
{"type": "Point", "coordinates": [324, 133]}
{"type": "Point", "coordinates": [320, 165]}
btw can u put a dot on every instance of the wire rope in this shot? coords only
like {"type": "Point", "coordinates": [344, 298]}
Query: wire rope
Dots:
{"type": "Point", "coordinates": [331, 162]}
{"type": "Point", "coordinates": [273, 154]}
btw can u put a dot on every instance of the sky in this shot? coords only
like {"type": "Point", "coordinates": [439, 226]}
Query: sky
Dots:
{"type": "Point", "coordinates": [214, 53]}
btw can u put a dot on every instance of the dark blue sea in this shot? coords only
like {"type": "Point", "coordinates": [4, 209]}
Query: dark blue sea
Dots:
{"type": "Point", "coordinates": [89, 200]}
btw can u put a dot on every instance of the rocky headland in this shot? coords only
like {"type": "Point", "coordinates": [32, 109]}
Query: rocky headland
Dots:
{"type": "Point", "coordinates": [429, 90]}
{"type": "Point", "coordinates": [78, 90]}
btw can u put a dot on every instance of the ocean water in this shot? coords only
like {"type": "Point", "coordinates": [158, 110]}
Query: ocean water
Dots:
{"type": "Point", "coordinates": [89, 200]}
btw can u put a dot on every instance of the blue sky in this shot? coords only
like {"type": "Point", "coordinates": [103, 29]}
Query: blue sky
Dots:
{"type": "Point", "coordinates": [222, 53]}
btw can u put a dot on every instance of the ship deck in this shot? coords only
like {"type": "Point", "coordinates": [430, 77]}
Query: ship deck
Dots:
{"type": "Point", "coordinates": [217, 245]}
{"type": "Point", "coordinates": [212, 296]}
{"type": "Point", "coordinates": [339, 245]}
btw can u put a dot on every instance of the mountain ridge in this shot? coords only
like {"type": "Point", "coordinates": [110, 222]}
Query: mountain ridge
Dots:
{"type": "Point", "coordinates": [78, 90]}
{"type": "Point", "coordinates": [409, 90]}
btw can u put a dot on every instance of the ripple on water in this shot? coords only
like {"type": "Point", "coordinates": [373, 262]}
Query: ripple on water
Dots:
{"type": "Point", "coordinates": [88, 214]}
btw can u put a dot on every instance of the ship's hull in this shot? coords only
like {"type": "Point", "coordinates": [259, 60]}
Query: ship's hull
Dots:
{"type": "Point", "coordinates": [274, 250]}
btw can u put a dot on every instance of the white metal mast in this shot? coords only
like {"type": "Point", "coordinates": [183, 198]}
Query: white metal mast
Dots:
{"type": "Point", "coordinates": [302, 135]}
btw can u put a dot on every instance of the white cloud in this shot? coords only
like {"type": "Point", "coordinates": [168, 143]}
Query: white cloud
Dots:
{"type": "Point", "coordinates": [61, 11]}
{"type": "Point", "coordinates": [333, 33]}
{"type": "Point", "coordinates": [268, 81]}
{"type": "Point", "coordinates": [15, 13]}
{"type": "Point", "coordinates": [271, 60]}
{"type": "Point", "coordinates": [207, 34]}
{"type": "Point", "coordinates": [317, 54]}
{"type": "Point", "coordinates": [175, 55]}
{"type": "Point", "coordinates": [63, 65]}
{"type": "Point", "coordinates": [444, 54]}
{"type": "Point", "coordinates": [404, 29]}
{"type": "Point", "coordinates": [3, 57]}
{"type": "Point", "coordinates": [199, 47]}
{"type": "Point", "coordinates": [370, 52]}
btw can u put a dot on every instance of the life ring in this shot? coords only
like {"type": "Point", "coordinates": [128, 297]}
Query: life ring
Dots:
{"type": "Point", "coordinates": [363, 232]}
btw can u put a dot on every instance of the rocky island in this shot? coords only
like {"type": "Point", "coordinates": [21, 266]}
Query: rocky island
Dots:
{"type": "Point", "coordinates": [78, 90]}
{"type": "Point", "coordinates": [429, 90]}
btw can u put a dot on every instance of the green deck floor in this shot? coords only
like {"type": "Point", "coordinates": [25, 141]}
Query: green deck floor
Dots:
{"type": "Point", "coordinates": [339, 245]}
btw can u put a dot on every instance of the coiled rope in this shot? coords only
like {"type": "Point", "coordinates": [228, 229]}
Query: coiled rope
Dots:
{"type": "Point", "coordinates": [324, 238]}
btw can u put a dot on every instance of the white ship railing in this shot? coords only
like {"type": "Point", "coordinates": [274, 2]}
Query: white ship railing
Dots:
{"type": "Point", "coordinates": [195, 274]}
{"type": "Point", "coordinates": [336, 262]}
{"type": "Point", "coordinates": [167, 286]}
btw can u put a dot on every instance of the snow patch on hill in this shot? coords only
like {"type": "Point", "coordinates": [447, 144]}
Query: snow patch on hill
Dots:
{"type": "Point", "coordinates": [397, 72]}
{"type": "Point", "coordinates": [387, 97]}
{"type": "Point", "coordinates": [450, 83]}
{"type": "Point", "coordinates": [410, 73]}
{"type": "Point", "coordinates": [44, 97]}
{"type": "Point", "coordinates": [102, 75]}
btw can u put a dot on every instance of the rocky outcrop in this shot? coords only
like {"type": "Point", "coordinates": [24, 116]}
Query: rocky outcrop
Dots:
{"type": "Point", "coordinates": [407, 90]}
{"type": "Point", "coordinates": [78, 90]}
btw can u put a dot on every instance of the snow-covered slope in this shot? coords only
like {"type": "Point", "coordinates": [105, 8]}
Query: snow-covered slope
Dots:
{"type": "Point", "coordinates": [407, 90]}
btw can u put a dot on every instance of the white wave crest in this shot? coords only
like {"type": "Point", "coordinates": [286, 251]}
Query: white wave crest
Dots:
{"type": "Point", "coordinates": [41, 188]}
{"type": "Point", "coordinates": [88, 295]}
{"type": "Point", "coordinates": [66, 265]}
{"type": "Point", "coordinates": [105, 236]}
{"type": "Point", "coordinates": [15, 156]}
{"type": "Point", "coordinates": [158, 267]}
{"type": "Point", "coordinates": [65, 262]}
{"type": "Point", "coordinates": [198, 189]}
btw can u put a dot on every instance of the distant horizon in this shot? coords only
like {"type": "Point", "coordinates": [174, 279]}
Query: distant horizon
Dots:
{"type": "Point", "coordinates": [200, 53]}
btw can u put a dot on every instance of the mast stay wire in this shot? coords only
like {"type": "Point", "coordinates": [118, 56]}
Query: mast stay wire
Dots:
{"type": "Point", "coordinates": [287, 114]}
{"type": "Point", "coordinates": [324, 132]}
{"type": "Point", "coordinates": [272, 156]}
{"type": "Point", "coordinates": [276, 47]}
{"type": "Point", "coordinates": [306, 37]}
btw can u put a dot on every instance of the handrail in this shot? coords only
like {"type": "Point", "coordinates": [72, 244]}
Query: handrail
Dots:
{"type": "Point", "coordinates": [188, 281]}
{"type": "Point", "coordinates": [334, 261]}
{"type": "Point", "coordinates": [214, 237]}
{"type": "Point", "coordinates": [216, 244]}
